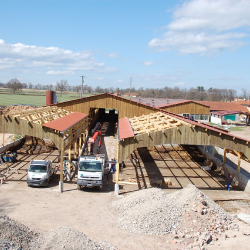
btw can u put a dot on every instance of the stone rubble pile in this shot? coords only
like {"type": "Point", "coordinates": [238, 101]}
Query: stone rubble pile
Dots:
{"type": "Point", "coordinates": [15, 236]}
{"type": "Point", "coordinates": [188, 215]}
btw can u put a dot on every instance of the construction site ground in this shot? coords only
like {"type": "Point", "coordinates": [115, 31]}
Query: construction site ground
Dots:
{"type": "Point", "coordinates": [45, 208]}
{"type": "Point", "coordinates": [89, 211]}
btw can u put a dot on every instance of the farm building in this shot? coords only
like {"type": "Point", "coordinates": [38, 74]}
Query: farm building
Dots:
{"type": "Point", "coordinates": [223, 117]}
{"type": "Point", "coordinates": [200, 112]}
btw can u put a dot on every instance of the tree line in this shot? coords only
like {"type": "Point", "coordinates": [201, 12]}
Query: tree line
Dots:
{"type": "Point", "coordinates": [198, 94]}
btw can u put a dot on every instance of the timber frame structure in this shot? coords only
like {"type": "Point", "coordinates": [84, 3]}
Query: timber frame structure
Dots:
{"type": "Point", "coordinates": [33, 122]}
{"type": "Point", "coordinates": [149, 126]}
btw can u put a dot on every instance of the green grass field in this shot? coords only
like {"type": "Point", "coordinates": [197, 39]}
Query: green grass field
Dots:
{"type": "Point", "coordinates": [33, 97]}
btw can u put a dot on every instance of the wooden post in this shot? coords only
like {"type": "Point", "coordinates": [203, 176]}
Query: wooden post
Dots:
{"type": "Point", "coordinates": [75, 154]}
{"type": "Point", "coordinates": [117, 172]}
{"type": "Point", "coordinates": [61, 164]}
{"type": "Point", "coordinates": [225, 156]}
{"type": "Point", "coordinates": [3, 140]}
{"type": "Point", "coordinates": [80, 143]}
{"type": "Point", "coordinates": [213, 151]}
{"type": "Point", "coordinates": [239, 160]}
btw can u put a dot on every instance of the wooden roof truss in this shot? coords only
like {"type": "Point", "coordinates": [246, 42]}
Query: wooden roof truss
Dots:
{"type": "Point", "coordinates": [41, 115]}
{"type": "Point", "coordinates": [154, 122]}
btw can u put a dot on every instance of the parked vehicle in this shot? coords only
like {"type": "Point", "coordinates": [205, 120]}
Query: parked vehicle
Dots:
{"type": "Point", "coordinates": [40, 172]}
{"type": "Point", "coordinates": [90, 171]}
{"type": "Point", "coordinates": [243, 119]}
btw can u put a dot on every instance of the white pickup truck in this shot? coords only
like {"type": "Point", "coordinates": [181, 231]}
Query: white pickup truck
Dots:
{"type": "Point", "coordinates": [40, 172]}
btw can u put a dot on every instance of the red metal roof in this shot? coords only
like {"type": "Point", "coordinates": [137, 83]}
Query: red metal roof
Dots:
{"type": "Point", "coordinates": [125, 129]}
{"type": "Point", "coordinates": [181, 102]}
{"type": "Point", "coordinates": [65, 122]}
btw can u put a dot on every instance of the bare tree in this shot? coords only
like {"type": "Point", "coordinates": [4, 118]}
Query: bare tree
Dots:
{"type": "Point", "coordinates": [77, 88]}
{"type": "Point", "coordinates": [62, 86]}
{"type": "Point", "coordinates": [14, 85]}
{"type": "Point", "coordinates": [30, 85]}
{"type": "Point", "coordinates": [244, 93]}
{"type": "Point", "coordinates": [49, 87]}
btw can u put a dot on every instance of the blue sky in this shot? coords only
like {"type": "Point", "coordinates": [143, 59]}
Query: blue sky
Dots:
{"type": "Point", "coordinates": [157, 43]}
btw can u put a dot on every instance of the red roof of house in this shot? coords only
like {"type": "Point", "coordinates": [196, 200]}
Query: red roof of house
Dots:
{"type": "Point", "coordinates": [181, 102]}
{"type": "Point", "coordinates": [241, 102]}
{"type": "Point", "coordinates": [65, 122]}
{"type": "Point", "coordinates": [224, 106]}
{"type": "Point", "coordinates": [125, 129]}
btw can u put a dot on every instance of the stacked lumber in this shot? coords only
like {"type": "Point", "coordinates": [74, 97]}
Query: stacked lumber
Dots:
{"type": "Point", "coordinates": [33, 145]}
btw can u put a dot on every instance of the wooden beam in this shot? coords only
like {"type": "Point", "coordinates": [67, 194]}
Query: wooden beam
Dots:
{"type": "Point", "coordinates": [225, 156]}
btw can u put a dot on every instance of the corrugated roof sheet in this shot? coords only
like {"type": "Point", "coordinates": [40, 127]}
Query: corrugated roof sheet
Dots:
{"type": "Point", "coordinates": [125, 129]}
{"type": "Point", "coordinates": [64, 123]}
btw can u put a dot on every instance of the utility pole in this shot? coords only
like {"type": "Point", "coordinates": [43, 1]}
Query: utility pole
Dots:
{"type": "Point", "coordinates": [130, 81]}
{"type": "Point", "coordinates": [82, 85]}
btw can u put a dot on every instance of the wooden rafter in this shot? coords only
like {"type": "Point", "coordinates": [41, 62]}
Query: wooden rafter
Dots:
{"type": "Point", "coordinates": [41, 115]}
{"type": "Point", "coordinates": [154, 122]}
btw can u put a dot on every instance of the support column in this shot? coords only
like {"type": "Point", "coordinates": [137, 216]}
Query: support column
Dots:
{"type": "Point", "coordinates": [117, 172]}
{"type": "Point", "coordinates": [213, 151]}
{"type": "Point", "coordinates": [225, 156]}
{"type": "Point", "coordinates": [239, 160]}
{"type": "Point", "coordinates": [61, 164]}
{"type": "Point", "coordinates": [75, 153]}
{"type": "Point", "coordinates": [69, 155]}
{"type": "Point", "coordinates": [80, 143]}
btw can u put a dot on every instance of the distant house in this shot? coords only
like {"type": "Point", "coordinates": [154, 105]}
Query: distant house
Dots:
{"type": "Point", "coordinates": [224, 106]}
{"type": "Point", "coordinates": [188, 109]}
{"type": "Point", "coordinates": [243, 103]}
{"type": "Point", "coordinates": [223, 117]}
{"type": "Point", "coordinates": [132, 94]}
{"type": "Point", "coordinates": [118, 93]}
{"type": "Point", "coordinates": [231, 109]}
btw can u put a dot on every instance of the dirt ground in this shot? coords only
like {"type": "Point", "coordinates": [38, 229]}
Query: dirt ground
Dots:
{"type": "Point", "coordinates": [88, 210]}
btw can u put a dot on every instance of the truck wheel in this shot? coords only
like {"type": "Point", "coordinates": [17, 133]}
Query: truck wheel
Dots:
{"type": "Point", "coordinates": [78, 187]}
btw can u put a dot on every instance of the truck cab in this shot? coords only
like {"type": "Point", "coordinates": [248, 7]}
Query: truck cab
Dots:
{"type": "Point", "coordinates": [39, 173]}
{"type": "Point", "coordinates": [90, 171]}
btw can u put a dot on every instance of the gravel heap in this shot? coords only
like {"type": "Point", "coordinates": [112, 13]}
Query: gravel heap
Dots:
{"type": "Point", "coordinates": [15, 236]}
{"type": "Point", "coordinates": [188, 215]}
{"type": "Point", "coordinates": [67, 238]}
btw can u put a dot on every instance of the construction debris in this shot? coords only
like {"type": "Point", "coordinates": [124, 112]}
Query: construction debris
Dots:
{"type": "Point", "coordinates": [188, 215]}
{"type": "Point", "coordinates": [15, 236]}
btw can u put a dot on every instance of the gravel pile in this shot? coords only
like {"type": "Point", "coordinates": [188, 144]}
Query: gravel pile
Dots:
{"type": "Point", "coordinates": [15, 236]}
{"type": "Point", "coordinates": [67, 238]}
{"type": "Point", "coordinates": [188, 215]}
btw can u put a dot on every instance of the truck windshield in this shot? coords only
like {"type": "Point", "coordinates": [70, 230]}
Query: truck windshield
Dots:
{"type": "Point", "coordinates": [38, 168]}
{"type": "Point", "coordinates": [90, 166]}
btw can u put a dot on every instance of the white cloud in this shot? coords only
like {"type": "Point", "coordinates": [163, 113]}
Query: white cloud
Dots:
{"type": "Point", "coordinates": [227, 78]}
{"type": "Point", "coordinates": [113, 55]}
{"type": "Point", "coordinates": [98, 78]}
{"type": "Point", "coordinates": [204, 26]}
{"type": "Point", "coordinates": [179, 83]}
{"type": "Point", "coordinates": [50, 60]}
{"type": "Point", "coordinates": [147, 63]}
